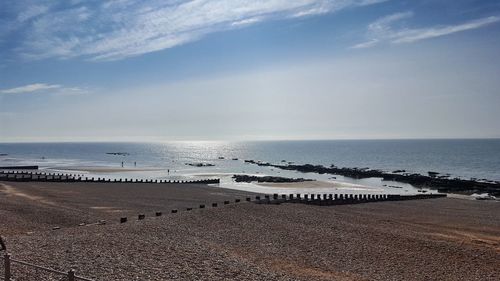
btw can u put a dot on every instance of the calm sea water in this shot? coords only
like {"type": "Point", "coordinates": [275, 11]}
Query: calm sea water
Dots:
{"type": "Point", "coordinates": [478, 158]}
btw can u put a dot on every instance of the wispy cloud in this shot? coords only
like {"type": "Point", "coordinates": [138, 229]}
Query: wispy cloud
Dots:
{"type": "Point", "coordinates": [412, 35]}
{"type": "Point", "coordinates": [112, 30]}
{"type": "Point", "coordinates": [246, 21]}
{"type": "Point", "coordinates": [44, 88]}
{"type": "Point", "coordinates": [383, 30]}
{"type": "Point", "coordinates": [366, 44]}
{"type": "Point", "coordinates": [30, 88]}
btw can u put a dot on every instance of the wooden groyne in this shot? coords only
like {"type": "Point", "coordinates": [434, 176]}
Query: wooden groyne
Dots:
{"type": "Point", "coordinates": [308, 199]}
{"type": "Point", "coordinates": [19, 168]}
{"type": "Point", "coordinates": [340, 199]}
{"type": "Point", "coordinates": [23, 176]}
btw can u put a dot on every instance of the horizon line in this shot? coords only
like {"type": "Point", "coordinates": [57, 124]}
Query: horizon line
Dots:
{"type": "Point", "coordinates": [248, 140]}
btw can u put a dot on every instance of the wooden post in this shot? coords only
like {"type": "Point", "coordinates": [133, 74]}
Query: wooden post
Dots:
{"type": "Point", "coordinates": [71, 275]}
{"type": "Point", "coordinates": [7, 267]}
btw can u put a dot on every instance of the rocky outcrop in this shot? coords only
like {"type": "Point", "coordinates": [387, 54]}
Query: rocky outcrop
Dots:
{"type": "Point", "coordinates": [118, 153]}
{"type": "Point", "coordinates": [247, 178]}
{"type": "Point", "coordinates": [200, 164]}
{"type": "Point", "coordinates": [433, 181]}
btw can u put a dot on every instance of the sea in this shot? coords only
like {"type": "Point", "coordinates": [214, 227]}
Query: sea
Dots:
{"type": "Point", "coordinates": [462, 158]}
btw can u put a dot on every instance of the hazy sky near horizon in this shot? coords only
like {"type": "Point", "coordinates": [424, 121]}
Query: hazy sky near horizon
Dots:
{"type": "Point", "coordinates": [136, 70]}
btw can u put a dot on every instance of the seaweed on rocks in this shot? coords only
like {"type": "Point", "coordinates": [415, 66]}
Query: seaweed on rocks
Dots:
{"type": "Point", "coordinates": [440, 183]}
{"type": "Point", "coordinates": [200, 164]}
{"type": "Point", "coordinates": [247, 178]}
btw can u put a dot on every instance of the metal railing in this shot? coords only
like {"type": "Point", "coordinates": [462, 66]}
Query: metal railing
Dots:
{"type": "Point", "coordinates": [8, 262]}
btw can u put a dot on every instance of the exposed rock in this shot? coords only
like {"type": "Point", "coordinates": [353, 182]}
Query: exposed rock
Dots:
{"type": "Point", "coordinates": [442, 184]}
{"type": "Point", "coordinates": [432, 174]}
{"type": "Point", "coordinates": [200, 164]}
{"type": "Point", "coordinates": [398, 171]}
{"type": "Point", "coordinates": [247, 178]}
{"type": "Point", "coordinates": [118, 153]}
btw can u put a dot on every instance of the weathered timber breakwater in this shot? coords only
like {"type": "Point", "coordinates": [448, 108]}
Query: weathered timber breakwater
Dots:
{"type": "Point", "coordinates": [19, 168]}
{"type": "Point", "coordinates": [307, 199]}
{"type": "Point", "coordinates": [339, 199]}
{"type": "Point", "coordinates": [55, 177]}
{"type": "Point", "coordinates": [433, 181]}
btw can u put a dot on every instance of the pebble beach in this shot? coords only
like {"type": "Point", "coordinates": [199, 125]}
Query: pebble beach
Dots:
{"type": "Point", "coordinates": [434, 239]}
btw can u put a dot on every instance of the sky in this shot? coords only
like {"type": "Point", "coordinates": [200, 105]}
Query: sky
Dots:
{"type": "Point", "coordinates": [134, 70]}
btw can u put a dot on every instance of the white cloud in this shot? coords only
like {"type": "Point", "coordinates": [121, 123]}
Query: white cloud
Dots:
{"type": "Point", "coordinates": [413, 35]}
{"type": "Point", "coordinates": [30, 88]}
{"type": "Point", "coordinates": [246, 21]}
{"type": "Point", "coordinates": [366, 44]}
{"type": "Point", "coordinates": [119, 29]}
{"type": "Point", "coordinates": [383, 30]}
{"type": "Point", "coordinates": [44, 88]}
{"type": "Point", "coordinates": [383, 25]}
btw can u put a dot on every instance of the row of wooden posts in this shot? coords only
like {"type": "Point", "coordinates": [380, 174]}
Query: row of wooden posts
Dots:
{"type": "Point", "coordinates": [55, 177]}
{"type": "Point", "coordinates": [311, 199]}
{"type": "Point", "coordinates": [340, 199]}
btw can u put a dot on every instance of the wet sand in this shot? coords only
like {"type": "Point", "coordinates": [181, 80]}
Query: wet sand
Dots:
{"type": "Point", "coordinates": [434, 239]}
{"type": "Point", "coordinates": [321, 184]}
{"type": "Point", "coordinates": [97, 169]}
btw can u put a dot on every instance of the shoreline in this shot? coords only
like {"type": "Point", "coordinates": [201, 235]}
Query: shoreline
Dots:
{"type": "Point", "coordinates": [435, 181]}
{"type": "Point", "coordinates": [276, 184]}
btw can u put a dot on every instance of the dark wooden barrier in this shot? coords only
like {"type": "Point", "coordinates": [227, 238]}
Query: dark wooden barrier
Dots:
{"type": "Point", "coordinates": [24, 176]}
{"type": "Point", "coordinates": [340, 199]}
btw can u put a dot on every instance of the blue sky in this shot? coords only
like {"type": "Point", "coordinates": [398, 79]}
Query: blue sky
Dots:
{"type": "Point", "coordinates": [235, 70]}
